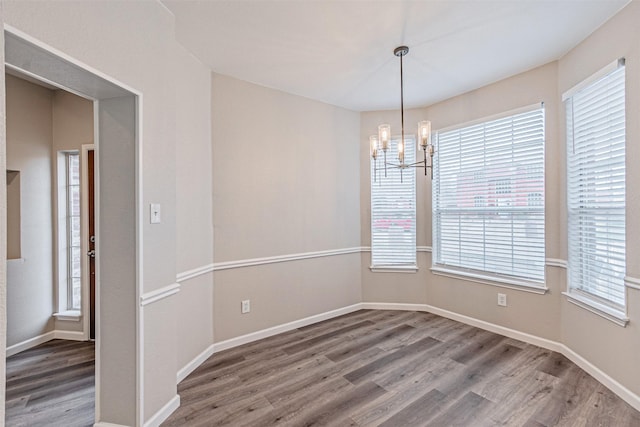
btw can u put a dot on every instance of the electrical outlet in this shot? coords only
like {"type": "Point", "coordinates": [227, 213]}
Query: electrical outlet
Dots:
{"type": "Point", "coordinates": [502, 300]}
{"type": "Point", "coordinates": [246, 306]}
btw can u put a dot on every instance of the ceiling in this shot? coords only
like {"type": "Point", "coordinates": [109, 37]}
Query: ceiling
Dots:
{"type": "Point", "coordinates": [341, 52]}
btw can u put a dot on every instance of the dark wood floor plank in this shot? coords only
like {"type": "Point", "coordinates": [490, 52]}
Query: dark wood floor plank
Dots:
{"type": "Point", "coordinates": [361, 374]}
{"type": "Point", "coordinates": [478, 371]}
{"type": "Point", "coordinates": [573, 390]}
{"type": "Point", "coordinates": [555, 364]}
{"type": "Point", "coordinates": [604, 408]}
{"type": "Point", "coordinates": [420, 411]}
{"type": "Point", "coordinates": [519, 397]}
{"type": "Point", "coordinates": [296, 410]}
{"type": "Point", "coordinates": [394, 368]}
{"type": "Point", "coordinates": [341, 405]}
{"type": "Point", "coordinates": [477, 348]}
{"type": "Point", "coordinates": [306, 344]}
{"type": "Point", "coordinates": [467, 411]}
{"type": "Point", "coordinates": [357, 346]}
{"type": "Point", "coordinates": [405, 393]}
{"type": "Point", "coordinates": [52, 384]}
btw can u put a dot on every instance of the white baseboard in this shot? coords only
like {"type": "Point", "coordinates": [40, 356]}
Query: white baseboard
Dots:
{"type": "Point", "coordinates": [266, 333]}
{"type": "Point", "coordinates": [41, 339]}
{"type": "Point", "coordinates": [164, 412]}
{"type": "Point", "coordinates": [69, 335]}
{"type": "Point", "coordinates": [624, 393]}
{"type": "Point", "coordinates": [197, 361]}
{"type": "Point", "coordinates": [30, 343]}
{"type": "Point", "coordinates": [101, 424]}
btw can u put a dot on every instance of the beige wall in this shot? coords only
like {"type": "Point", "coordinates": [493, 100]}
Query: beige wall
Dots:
{"type": "Point", "coordinates": [194, 218]}
{"type": "Point", "coordinates": [285, 181]}
{"type": "Point", "coordinates": [72, 121]}
{"type": "Point", "coordinates": [30, 279]}
{"type": "Point", "coordinates": [592, 337]}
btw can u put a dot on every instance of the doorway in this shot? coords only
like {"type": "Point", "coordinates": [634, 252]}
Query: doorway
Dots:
{"type": "Point", "coordinates": [117, 216]}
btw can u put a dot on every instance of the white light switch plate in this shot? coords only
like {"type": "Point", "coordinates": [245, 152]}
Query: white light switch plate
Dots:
{"type": "Point", "coordinates": [155, 214]}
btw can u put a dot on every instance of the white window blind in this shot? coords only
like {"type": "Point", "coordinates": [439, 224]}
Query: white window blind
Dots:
{"type": "Point", "coordinates": [596, 189]}
{"type": "Point", "coordinates": [393, 210]}
{"type": "Point", "coordinates": [488, 198]}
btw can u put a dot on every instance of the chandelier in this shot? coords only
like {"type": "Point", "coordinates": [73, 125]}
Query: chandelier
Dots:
{"type": "Point", "coordinates": [382, 140]}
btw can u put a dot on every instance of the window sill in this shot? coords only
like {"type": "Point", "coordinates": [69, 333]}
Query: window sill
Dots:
{"type": "Point", "coordinates": [611, 314]}
{"type": "Point", "coordinates": [491, 280]}
{"type": "Point", "coordinates": [68, 315]}
{"type": "Point", "coordinates": [393, 268]}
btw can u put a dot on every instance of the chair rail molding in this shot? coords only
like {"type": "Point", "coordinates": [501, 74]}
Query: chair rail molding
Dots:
{"type": "Point", "coordinates": [193, 273]}
{"type": "Point", "coordinates": [159, 294]}
{"type": "Point", "coordinates": [632, 283]}
{"type": "Point", "coordinates": [226, 265]}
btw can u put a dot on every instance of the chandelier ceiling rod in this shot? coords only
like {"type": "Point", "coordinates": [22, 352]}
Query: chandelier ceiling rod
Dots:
{"type": "Point", "coordinates": [382, 140]}
{"type": "Point", "coordinates": [401, 51]}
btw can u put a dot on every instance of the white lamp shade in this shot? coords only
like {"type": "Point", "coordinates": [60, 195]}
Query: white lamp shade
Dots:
{"type": "Point", "coordinates": [384, 135]}
{"type": "Point", "coordinates": [424, 132]}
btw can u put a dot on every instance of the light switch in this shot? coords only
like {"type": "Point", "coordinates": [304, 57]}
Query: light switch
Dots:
{"type": "Point", "coordinates": [155, 213]}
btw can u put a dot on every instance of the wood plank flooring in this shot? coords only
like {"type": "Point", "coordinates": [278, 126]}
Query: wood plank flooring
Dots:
{"type": "Point", "coordinates": [394, 369]}
{"type": "Point", "coordinates": [52, 384]}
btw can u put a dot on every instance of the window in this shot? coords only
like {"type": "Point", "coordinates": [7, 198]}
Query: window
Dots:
{"type": "Point", "coordinates": [69, 230]}
{"type": "Point", "coordinates": [488, 199]}
{"type": "Point", "coordinates": [595, 115]}
{"type": "Point", "coordinates": [393, 211]}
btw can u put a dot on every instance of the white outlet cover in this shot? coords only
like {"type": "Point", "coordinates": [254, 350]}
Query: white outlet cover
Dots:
{"type": "Point", "coordinates": [502, 300]}
{"type": "Point", "coordinates": [245, 306]}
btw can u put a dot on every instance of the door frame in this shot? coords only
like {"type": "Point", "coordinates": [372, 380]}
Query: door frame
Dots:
{"type": "Point", "coordinates": [84, 234]}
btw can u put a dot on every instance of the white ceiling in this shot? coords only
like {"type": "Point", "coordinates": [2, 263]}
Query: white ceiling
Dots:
{"type": "Point", "coordinates": [341, 52]}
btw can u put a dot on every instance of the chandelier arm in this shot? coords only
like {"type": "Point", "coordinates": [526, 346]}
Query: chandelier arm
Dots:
{"type": "Point", "coordinates": [417, 164]}
{"type": "Point", "coordinates": [395, 165]}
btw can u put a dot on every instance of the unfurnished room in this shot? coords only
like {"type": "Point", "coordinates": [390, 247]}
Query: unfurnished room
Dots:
{"type": "Point", "coordinates": [300, 213]}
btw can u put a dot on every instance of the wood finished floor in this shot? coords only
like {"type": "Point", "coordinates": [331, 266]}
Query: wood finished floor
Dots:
{"type": "Point", "coordinates": [394, 368]}
{"type": "Point", "coordinates": [51, 385]}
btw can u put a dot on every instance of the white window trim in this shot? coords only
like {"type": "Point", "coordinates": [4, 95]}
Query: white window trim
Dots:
{"type": "Point", "coordinates": [62, 266]}
{"type": "Point", "coordinates": [488, 278]}
{"type": "Point", "coordinates": [394, 268]}
{"type": "Point", "coordinates": [492, 117]}
{"type": "Point", "coordinates": [401, 268]}
{"type": "Point", "coordinates": [592, 78]}
{"type": "Point", "coordinates": [618, 317]}
{"type": "Point", "coordinates": [576, 296]}
{"type": "Point", "coordinates": [68, 315]}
